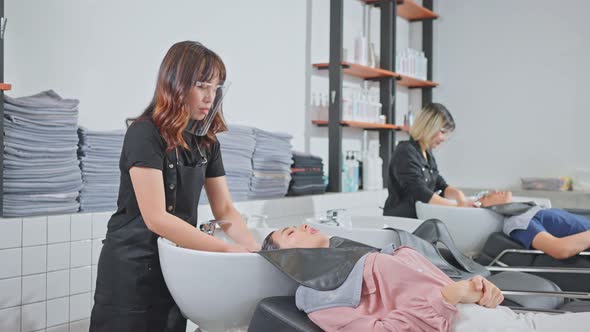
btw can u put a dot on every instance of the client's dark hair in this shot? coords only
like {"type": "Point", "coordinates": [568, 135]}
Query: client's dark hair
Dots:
{"type": "Point", "coordinates": [269, 243]}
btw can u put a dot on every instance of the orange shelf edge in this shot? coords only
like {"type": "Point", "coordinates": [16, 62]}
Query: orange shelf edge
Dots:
{"type": "Point", "coordinates": [409, 10]}
{"type": "Point", "coordinates": [412, 82]}
{"type": "Point", "coordinates": [412, 11]}
{"type": "Point", "coordinates": [364, 125]}
{"type": "Point", "coordinates": [360, 71]}
{"type": "Point", "coordinates": [366, 72]}
{"type": "Point", "coordinates": [5, 87]}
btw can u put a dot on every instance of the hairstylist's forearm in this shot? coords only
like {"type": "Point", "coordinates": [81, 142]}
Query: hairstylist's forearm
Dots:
{"type": "Point", "coordinates": [149, 190]}
{"type": "Point", "coordinates": [454, 193]}
{"type": "Point", "coordinates": [438, 200]}
{"type": "Point", "coordinates": [184, 234]}
{"type": "Point", "coordinates": [237, 229]}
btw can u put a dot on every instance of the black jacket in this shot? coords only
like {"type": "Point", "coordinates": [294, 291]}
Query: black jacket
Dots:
{"type": "Point", "coordinates": [411, 179]}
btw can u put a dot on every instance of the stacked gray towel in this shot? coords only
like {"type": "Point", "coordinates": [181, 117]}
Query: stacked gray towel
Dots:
{"type": "Point", "coordinates": [99, 159]}
{"type": "Point", "coordinates": [237, 147]}
{"type": "Point", "coordinates": [41, 171]}
{"type": "Point", "coordinates": [271, 165]}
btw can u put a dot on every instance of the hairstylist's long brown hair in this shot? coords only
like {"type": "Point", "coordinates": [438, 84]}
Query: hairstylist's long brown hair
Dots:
{"type": "Point", "coordinates": [185, 63]}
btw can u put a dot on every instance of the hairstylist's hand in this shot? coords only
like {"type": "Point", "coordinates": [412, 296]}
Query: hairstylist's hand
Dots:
{"type": "Point", "coordinates": [492, 296]}
{"type": "Point", "coordinates": [236, 248]}
{"type": "Point", "coordinates": [467, 203]}
{"type": "Point", "coordinates": [255, 247]}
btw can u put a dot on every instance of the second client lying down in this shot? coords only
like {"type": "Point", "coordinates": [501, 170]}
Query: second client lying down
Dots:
{"type": "Point", "coordinates": [556, 232]}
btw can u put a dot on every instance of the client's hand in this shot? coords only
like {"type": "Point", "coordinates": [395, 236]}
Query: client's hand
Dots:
{"type": "Point", "coordinates": [491, 297]}
{"type": "Point", "coordinates": [475, 290]}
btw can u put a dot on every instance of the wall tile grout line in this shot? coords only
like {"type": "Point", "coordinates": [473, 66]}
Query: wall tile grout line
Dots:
{"type": "Point", "coordinates": [70, 275]}
{"type": "Point", "coordinates": [22, 256]}
{"type": "Point", "coordinates": [46, 264]}
{"type": "Point", "coordinates": [36, 302]}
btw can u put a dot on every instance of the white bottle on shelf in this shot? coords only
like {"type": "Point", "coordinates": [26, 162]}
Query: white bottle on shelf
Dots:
{"type": "Point", "coordinates": [367, 169]}
{"type": "Point", "coordinates": [373, 168]}
{"type": "Point", "coordinates": [351, 169]}
{"type": "Point", "coordinates": [356, 106]}
{"type": "Point", "coordinates": [344, 174]}
{"type": "Point", "coordinates": [360, 50]}
{"type": "Point", "coordinates": [378, 106]}
{"type": "Point", "coordinates": [323, 107]}
{"type": "Point", "coordinates": [314, 107]}
{"type": "Point", "coordinates": [363, 108]}
{"type": "Point", "coordinates": [354, 181]}
{"type": "Point", "coordinates": [346, 104]}
{"type": "Point", "coordinates": [404, 63]}
{"type": "Point", "coordinates": [412, 63]}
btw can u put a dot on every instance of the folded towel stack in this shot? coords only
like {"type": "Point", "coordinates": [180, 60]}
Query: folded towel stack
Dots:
{"type": "Point", "coordinates": [237, 147]}
{"type": "Point", "coordinates": [307, 175]}
{"type": "Point", "coordinates": [271, 165]}
{"type": "Point", "coordinates": [99, 155]}
{"type": "Point", "coordinates": [41, 167]}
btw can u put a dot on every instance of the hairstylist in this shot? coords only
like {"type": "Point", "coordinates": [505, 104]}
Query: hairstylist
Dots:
{"type": "Point", "coordinates": [413, 173]}
{"type": "Point", "coordinates": [170, 152]}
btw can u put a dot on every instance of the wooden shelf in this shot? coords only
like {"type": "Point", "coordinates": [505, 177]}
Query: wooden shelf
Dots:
{"type": "Point", "coordinates": [363, 125]}
{"type": "Point", "coordinates": [5, 87]}
{"type": "Point", "coordinates": [356, 70]}
{"type": "Point", "coordinates": [409, 10]}
{"type": "Point", "coordinates": [414, 83]}
{"type": "Point", "coordinates": [370, 73]}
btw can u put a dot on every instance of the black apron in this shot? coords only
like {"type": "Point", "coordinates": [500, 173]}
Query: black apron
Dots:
{"type": "Point", "coordinates": [131, 294]}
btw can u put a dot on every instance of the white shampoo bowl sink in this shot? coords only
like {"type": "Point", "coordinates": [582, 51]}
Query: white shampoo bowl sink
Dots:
{"type": "Point", "coordinates": [469, 227]}
{"type": "Point", "coordinates": [368, 230]}
{"type": "Point", "coordinates": [219, 291]}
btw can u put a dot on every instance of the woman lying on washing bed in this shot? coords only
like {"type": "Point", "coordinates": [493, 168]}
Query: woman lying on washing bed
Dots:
{"type": "Point", "coordinates": [556, 232]}
{"type": "Point", "coordinates": [403, 291]}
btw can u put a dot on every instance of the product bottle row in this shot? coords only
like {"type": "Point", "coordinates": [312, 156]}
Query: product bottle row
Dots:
{"type": "Point", "coordinates": [361, 105]}
{"type": "Point", "coordinates": [362, 170]}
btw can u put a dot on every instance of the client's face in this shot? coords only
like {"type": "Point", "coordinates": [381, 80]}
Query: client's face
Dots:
{"type": "Point", "coordinates": [301, 236]}
{"type": "Point", "coordinates": [496, 198]}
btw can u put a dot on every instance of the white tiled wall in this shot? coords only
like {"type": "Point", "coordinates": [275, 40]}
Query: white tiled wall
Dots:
{"type": "Point", "coordinates": [48, 264]}
{"type": "Point", "coordinates": [46, 271]}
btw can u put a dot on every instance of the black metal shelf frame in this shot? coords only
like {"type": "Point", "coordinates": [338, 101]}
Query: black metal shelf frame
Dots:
{"type": "Point", "coordinates": [387, 85]}
{"type": "Point", "coordinates": [1, 113]}
{"type": "Point", "coordinates": [427, 48]}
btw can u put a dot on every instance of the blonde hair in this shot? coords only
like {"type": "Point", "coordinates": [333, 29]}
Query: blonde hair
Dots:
{"type": "Point", "coordinates": [431, 119]}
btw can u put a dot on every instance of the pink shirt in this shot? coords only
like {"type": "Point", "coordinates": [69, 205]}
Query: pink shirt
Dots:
{"type": "Point", "coordinates": [401, 292]}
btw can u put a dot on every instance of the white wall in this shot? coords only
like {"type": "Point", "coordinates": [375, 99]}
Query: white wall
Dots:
{"type": "Point", "coordinates": [513, 74]}
{"type": "Point", "coordinates": [107, 53]}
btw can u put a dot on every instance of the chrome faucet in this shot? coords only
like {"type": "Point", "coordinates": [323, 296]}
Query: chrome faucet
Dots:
{"type": "Point", "coordinates": [210, 226]}
{"type": "Point", "coordinates": [332, 217]}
